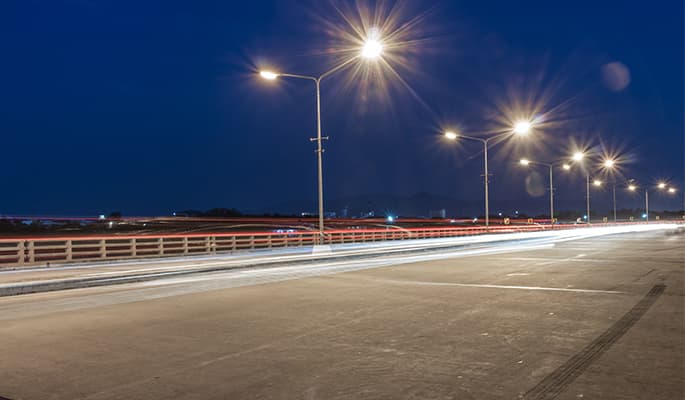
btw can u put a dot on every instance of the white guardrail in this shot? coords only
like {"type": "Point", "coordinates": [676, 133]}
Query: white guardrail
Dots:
{"type": "Point", "coordinates": [29, 251]}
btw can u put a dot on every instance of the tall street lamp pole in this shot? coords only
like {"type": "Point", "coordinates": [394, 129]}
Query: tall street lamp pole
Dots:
{"type": "Point", "coordinates": [614, 200]}
{"type": "Point", "coordinates": [551, 166]}
{"type": "Point", "coordinates": [372, 49]}
{"type": "Point", "coordinates": [587, 197]}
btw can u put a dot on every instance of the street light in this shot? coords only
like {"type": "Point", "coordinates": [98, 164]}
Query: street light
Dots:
{"type": "Point", "coordinates": [268, 75]}
{"type": "Point", "coordinates": [520, 128]}
{"type": "Point", "coordinates": [525, 161]}
{"type": "Point", "coordinates": [660, 185]}
{"type": "Point", "coordinates": [372, 49]}
{"type": "Point", "coordinates": [609, 164]}
{"type": "Point", "coordinates": [597, 182]}
{"type": "Point", "coordinates": [578, 156]}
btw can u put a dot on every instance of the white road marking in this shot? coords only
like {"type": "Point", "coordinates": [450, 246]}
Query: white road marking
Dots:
{"type": "Point", "coordinates": [518, 274]}
{"type": "Point", "coordinates": [478, 285]}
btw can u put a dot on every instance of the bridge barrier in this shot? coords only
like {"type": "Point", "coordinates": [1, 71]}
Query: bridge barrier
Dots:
{"type": "Point", "coordinates": [32, 251]}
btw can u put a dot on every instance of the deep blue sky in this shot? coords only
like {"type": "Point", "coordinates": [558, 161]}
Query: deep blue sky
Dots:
{"type": "Point", "coordinates": [150, 106]}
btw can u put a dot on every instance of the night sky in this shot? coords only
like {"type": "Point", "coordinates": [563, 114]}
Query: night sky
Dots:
{"type": "Point", "coordinates": [146, 107]}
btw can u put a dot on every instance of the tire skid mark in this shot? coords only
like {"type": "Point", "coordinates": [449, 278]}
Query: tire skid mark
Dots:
{"type": "Point", "coordinates": [556, 382]}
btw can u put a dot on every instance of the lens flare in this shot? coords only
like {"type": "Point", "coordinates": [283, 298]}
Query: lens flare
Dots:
{"type": "Point", "coordinates": [387, 36]}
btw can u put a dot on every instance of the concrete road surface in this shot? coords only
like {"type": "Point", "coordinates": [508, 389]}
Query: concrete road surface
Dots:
{"type": "Point", "coordinates": [597, 318]}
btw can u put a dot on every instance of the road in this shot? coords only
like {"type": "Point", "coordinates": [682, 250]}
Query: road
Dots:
{"type": "Point", "coordinates": [598, 318]}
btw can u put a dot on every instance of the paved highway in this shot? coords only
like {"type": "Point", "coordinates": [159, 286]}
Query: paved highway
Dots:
{"type": "Point", "coordinates": [599, 317]}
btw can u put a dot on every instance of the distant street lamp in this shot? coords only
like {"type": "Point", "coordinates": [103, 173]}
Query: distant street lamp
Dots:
{"type": "Point", "coordinates": [525, 161]}
{"type": "Point", "coordinates": [520, 128]}
{"type": "Point", "coordinates": [660, 186]}
{"type": "Point", "coordinates": [372, 49]}
{"type": "Point", "coordinates": [578, 156]}
{"type": "Point", "coordinates": [609, 164]}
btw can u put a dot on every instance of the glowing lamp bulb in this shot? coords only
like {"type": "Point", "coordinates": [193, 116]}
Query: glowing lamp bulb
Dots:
{"type": "Point", "coordinates": [522, 128]}
{"type": "Point", "coordinates": [632, 187]}
{"type": "Point", "coordinates": [566, 167]}
{"type": "Point", "coordinates": [577, 156]}
{"type": "Point", "coordinates": [372, 49]}
{"type": "Point", "coordinates": [597, 182]}
{"type": "Point", "coordinates": [451, 135]}
{"type": "Point", "coordinates": [662, 185]}
{"type": "Point", "coordinates": [268, 75]}
{"type": "Point", "coordinates": [524, 161]}
{"type": "Point", "coordinates": [671, 190]}
{"type": "Point", "coordinates": [609, 163]}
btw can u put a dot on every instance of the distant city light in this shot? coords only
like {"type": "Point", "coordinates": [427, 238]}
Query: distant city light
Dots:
{"type": "Point", "coordinates": [584, 216]}
{"type": "Point", "coordinates": [390, 218]}
{"type": "Point", "coordinates": [644, 215]}
{"type": "Point", "coordinates": [101, 216]}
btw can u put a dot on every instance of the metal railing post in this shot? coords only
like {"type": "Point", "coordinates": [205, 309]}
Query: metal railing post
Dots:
{"type": "Point", "coordinates": [20, 252]}
{"type": "Point", "coordinates": [102, 252]}
{"type": "Point", "coordinates": [69, 250]}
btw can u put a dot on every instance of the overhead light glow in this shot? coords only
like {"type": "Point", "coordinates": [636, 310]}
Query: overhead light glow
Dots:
{"type": "Point", "coordinates": [662, 185]}
{"type": "Point", "coordinates": [597, 182]}
{"type": "Point", "coordinates": [577, 156]}
{"type": "Point", "coordinates": [524, 161]}
{"type": "Point", "coordinates": [566, 167]}
{"type": "Point", "coordinates": [522, 127]}
{"type": "Point", "coordinates": [451, 135]}
{"type": "Point", "coordinates": [632, 187]}
{"type": "Point", "coordinates": [268, 75]}
{"type": "Point", "coordinates": [609, 163]}
{"type": "Point", "coordinates": [671, 190]}
{"type": "Point", "coordinates": [373, 48]}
